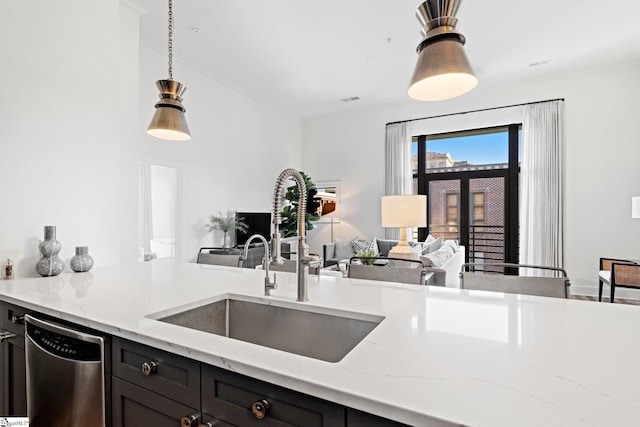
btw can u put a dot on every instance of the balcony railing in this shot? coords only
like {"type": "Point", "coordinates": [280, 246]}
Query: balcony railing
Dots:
{"type": "Point", "coordinates": [486, 242]}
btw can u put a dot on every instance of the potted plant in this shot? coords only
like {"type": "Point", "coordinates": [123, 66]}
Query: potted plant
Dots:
{"type": "Point", "coordinates": [369, 256]}
{"type": "Point", "coordinates": [226, 223]}
{"type": "Point", "coordinates": [289, 226]}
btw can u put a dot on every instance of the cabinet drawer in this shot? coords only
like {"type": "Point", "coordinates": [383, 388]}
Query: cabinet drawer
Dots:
{"type": "Point", "coordinates": [134, 406]}
{"type": "Point", "coordinates": [13, 319]}
{"type": "Point", "coordinates": [214, 421]}
{"type": "Point", "coordinates": [174, 376]}
{"type": "Point", "coordinates": [229, 397]}
{"type": "Point", "coordinates": [362, 419]}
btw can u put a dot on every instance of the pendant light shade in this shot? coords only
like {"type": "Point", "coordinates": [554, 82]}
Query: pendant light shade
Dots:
{"type": "Point", "coordinates": [443, 70]}
{"type": "Point", "coordinates": [169, 122]}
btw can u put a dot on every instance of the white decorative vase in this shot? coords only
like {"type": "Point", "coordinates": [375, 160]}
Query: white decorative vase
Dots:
{"type": "Point", "coordinates": [226, 241]}
{"type": "Point", "coordinates": [50, 264]}
{"type": "Point", "coordinates": [82, 261]}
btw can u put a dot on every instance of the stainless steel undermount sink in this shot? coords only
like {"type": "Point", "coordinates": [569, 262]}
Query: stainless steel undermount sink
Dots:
{"type": "Point", "coordinates": [319, 333]}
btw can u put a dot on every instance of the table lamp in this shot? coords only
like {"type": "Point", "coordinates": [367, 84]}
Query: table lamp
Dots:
{"type": "Point", "coordinates": [403, 212]}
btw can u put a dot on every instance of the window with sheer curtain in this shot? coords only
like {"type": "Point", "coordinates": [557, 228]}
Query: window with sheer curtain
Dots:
{"type": "Point", "coordinates": [398, 174]}
{"type": "Point", "coordinates": [538, 223]}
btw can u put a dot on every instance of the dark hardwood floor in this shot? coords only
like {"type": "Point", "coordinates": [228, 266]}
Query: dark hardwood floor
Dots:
{"type": "Point", "coordinates": [606, 299]}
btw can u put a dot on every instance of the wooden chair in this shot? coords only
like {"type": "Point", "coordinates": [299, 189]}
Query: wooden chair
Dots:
{"type": "Point", "coordinates": [231, 259]}
{"type": "Point", "coordinates": [605, 274]}
{"type": "Point", "coordinates": [489, 278]}
{"type": "Point", "coordinates": [624, 276]}
{"type": "Point", "coordinates": [413, 273]}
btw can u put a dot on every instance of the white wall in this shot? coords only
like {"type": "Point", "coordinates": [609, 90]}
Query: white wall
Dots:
{"type": "Point", "coordinates": [239, 146]}
{"type": "Point", "coordinates": [73, 132]}
{"type": "Point", "coordinates": [59, 133]}
{"type": "Point", "coordinates": [602, 154]}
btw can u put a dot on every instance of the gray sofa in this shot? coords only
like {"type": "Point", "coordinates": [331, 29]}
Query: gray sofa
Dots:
{"type": "Point", "coordinates": [442, 258]}
{"type": "Point", "coordinates": [332, 253]}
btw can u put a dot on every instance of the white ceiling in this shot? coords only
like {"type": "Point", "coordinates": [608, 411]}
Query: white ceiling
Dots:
{"type": "Point", "coordinates": [308, 55]}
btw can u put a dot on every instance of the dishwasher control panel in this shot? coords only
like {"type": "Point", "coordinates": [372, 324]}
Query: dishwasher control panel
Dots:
{"type": "Point", "coordinates": [64, 346]}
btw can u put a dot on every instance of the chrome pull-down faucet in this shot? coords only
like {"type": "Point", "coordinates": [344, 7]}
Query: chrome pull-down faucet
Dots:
{"type": "Point", "coordinates": [304, 260]}
{"type": "Point", "coordinates": [266, 260]}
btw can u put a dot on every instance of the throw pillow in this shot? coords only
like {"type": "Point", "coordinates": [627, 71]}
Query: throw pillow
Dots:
{"type": "Point", "coordinates": [384, 246]}
{"type": "Point", "coordinates": [344, 249]}
{"type": "Point", "coordinates": [417, 247]}
{"type": "Point", "coordinates": [452, 243]}
{"type": "Point", "coordinates": [360, 245]}
{"type": "Point", "coordinates": [437, 258]}
{"type": "Point", "coordinates": [431, 246]}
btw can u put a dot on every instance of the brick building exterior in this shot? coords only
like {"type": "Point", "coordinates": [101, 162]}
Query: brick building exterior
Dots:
{"type": "Point", "coordinates": [486, 204]}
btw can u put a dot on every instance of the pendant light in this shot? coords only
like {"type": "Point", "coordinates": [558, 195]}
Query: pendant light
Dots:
{"type": "Point", "coordinates": [443, 70]}
{"type": "Point", "coordinates": [169, 122]}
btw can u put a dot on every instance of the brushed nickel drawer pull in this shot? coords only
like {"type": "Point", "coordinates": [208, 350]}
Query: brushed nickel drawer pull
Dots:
{"type": "Point", "coordinates": [6, 336]}
{"type": "Point", "coordinates": [19, 320]}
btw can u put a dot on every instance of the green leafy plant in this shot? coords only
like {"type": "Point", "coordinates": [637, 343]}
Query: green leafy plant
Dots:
{"type": "Point", "coordinates": [226, 223]}
{"type": "Point", "coordinates": [369, 256]}
{"type": "Point", "coordinates": [289, 213]}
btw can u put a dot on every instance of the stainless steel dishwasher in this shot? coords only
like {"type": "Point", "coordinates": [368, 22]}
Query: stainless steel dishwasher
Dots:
{"type": "Point", "coordinates": [65, 375]}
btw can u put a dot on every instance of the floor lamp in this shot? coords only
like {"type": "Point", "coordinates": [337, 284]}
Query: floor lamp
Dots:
{"type": "Point", "coordinates": [403, 212]}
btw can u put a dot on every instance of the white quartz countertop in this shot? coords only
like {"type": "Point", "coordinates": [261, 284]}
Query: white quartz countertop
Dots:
{"type": "Point", "coordinates": [469, 357]}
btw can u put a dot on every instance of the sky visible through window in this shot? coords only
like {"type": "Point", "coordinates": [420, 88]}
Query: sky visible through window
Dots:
{"type": "Point", "coordinates": [475, 149]}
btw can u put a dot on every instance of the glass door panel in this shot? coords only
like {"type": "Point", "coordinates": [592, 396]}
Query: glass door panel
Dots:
{"type": "Point", "coordinates": [486, 220]}
{"type": "Point", "coordinates": [444, 208]}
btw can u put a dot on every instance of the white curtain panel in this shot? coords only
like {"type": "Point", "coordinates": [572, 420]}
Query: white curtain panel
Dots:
{"type": "Point", "coordinates": [542, 185]}
{"type": "Point", "coordinates": [398, 176]}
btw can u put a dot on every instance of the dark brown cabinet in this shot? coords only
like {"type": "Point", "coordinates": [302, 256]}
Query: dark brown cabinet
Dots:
{"type": "Point", "coordinates": [362, 419]}
{"type": "Point", "coordinates": [136, 406]}
{"type": "Point", "coordinates": [157, 388]}
{"type": "Point", "coordinates": [13, 372]}
{"type": "Point", "coordinates": [213, 422]}
{"type": "Point", "coordinates": [153, 387]}
{"type": "Point", "coordinates": [245, 401]}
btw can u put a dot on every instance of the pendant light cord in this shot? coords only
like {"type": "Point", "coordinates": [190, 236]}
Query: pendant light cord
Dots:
{"type": "Point", "coordinates": [170, 40]}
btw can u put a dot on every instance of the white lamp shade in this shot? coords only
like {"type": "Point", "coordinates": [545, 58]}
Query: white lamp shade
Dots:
{"type": "Point", "coordinates": [635, 207]}
{"type": "Point", "coordinates": [404, 211]}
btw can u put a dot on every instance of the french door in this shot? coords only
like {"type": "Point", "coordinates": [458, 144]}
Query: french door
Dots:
{"type": "Point", "coordinates": [476, 205]}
